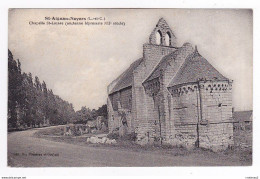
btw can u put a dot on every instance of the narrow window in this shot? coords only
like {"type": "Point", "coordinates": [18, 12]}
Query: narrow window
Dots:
{"type": "Point", "coordinates": [158, 38]}
{"type": "Point", "coordinates": [168, 39]}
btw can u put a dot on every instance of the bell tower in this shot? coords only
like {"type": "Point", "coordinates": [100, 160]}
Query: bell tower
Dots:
{"type": "Point", "coordinates": [162, 41]}
{"type": "Point", "coordinates": [162, 35]}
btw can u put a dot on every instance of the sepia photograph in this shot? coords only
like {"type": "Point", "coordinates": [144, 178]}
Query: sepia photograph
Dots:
{"type": "Point", "coordinates": [130, 87]}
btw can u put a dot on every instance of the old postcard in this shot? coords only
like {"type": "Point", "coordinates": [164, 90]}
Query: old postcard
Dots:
{"type": "Point", "coordinates": [130, 87]}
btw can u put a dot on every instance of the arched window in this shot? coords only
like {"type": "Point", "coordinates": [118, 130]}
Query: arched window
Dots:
{"type": "Point", "coordinates": [168, 39]}
{"type": "Point", "coordinates": [158, 37]}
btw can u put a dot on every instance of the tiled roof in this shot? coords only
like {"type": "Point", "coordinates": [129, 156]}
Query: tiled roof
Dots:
{"type": "Point", "coordinates": [196, 67]}
{"type": "Point", "coordinates": [241, 116]}
{"type": "Point", "coordinates": [126, 78]}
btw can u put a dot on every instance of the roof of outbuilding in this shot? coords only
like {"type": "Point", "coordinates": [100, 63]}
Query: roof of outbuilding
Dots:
{"type": "Point", "coordinates": [241, 116]}
{"type": "Point", "coordinates": [126, 78]}
{"type": "Point", "coordinates": [196, 67]}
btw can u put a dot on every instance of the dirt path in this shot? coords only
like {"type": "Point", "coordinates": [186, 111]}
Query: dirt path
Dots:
{"type": "Point", "coordinates": [24, 150]}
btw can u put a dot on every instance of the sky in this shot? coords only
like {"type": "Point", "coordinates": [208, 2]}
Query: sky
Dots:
{"type": "Point", "coordinates": [79, 61]}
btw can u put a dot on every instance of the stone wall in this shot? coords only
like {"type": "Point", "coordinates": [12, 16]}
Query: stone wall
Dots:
{"type": "Point", "coordinates": [158, 97]}
{"type": "Point", "coordinates": [172, 67]}
{"type": "Point", "coordinates": [185, 115]}
{"type": "Point", "coordinates": [201, 114]}
{"type": "Point", "coordinates": [126, 98]}
{"type": "Point", "coordinates": [118, 103]}
{"type": "Point", "coordinates": [185, 135]}
{"type": "Point", "coordinates": [114, 98]}
{"type": "Point", "coordinates": [216, 136]}
{"type": "Point", "coordinates": [139, 101]}
{"type": "Point", "coordinates": [145, 112]}
{"type": "Point", "coordinates": [155, 111]}
{"type": "Point", "coordinates": [216, 102]}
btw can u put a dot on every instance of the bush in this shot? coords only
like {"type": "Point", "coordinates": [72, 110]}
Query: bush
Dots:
{"type": "Point", "coordinates": [113, 136]}
{"type": "Point", "coordinates": [127, 137]}
{"type": "Point", "coordinates": [130, 137]}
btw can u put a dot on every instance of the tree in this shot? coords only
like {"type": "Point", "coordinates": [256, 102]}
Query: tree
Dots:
{"type": "Point", "coordinates": [102, 111]}
{"type": "Point", "coordinates": [84, 114]}
{"type": "Point", "coordinates": [14, 90]}
{"type": "Point", "coordinates": [31, 103]}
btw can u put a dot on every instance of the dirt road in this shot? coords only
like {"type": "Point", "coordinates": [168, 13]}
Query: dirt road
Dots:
{"type": "Point", "coordinates": [24, 150]}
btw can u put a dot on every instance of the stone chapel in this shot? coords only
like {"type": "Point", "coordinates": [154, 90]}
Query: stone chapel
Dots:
{"type": "Point", "coordinates": [172, 95]}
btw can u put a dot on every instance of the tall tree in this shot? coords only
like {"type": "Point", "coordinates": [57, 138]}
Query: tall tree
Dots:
{"type": "Point", "coordinates": [30, 102]}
